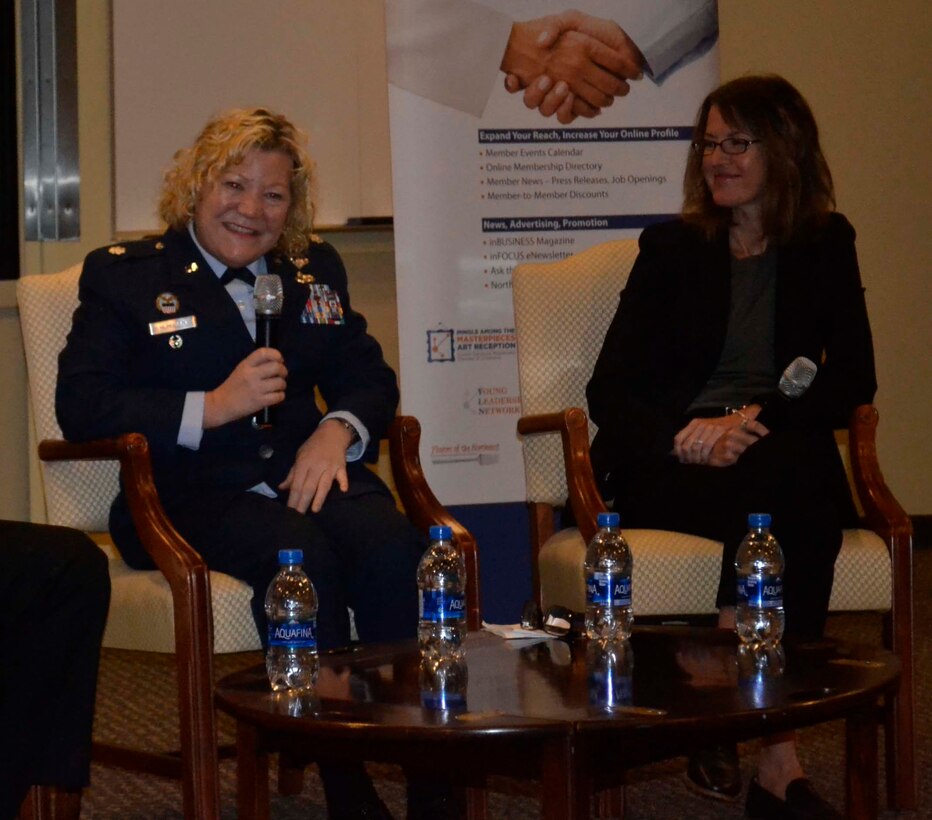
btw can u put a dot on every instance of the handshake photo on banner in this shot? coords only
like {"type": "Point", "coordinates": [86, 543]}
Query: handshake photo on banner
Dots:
{"type": "Point", "coordinates": [570, 64]}
{"type": "Point", "coordinates": [567, 64]}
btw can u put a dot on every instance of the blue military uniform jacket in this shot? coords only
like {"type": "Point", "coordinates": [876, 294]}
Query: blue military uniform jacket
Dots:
{"type": "Point", "coordinates": [154, 322]}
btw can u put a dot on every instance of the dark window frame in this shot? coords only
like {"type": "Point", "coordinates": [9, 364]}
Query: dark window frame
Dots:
{"type": "Point", "coordinates": [9, 146]}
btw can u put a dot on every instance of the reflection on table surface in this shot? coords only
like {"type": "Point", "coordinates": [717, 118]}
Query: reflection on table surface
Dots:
{"type": "Point", "coordinates": [664, 673]}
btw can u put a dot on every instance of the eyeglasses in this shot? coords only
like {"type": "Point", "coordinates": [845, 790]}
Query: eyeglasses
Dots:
{"type": "Point", "coordinates": [731, 145]}
{"type": "Point", "coordinates": [559, 621]}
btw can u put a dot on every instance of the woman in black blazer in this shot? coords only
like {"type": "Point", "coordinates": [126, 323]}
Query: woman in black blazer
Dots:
{"type": "Point", "coordinates": [693, 432]}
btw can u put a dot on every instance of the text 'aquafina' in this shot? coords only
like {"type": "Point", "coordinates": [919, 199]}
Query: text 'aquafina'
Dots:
{"type": "Point", "coordinates": [291, 609]}
{"type": "Point", "coordinates": [441, 583]}
{"type": "Point", "coordinates": [759, 616]}
{"type": "Point", "coordinates": [609, 615]}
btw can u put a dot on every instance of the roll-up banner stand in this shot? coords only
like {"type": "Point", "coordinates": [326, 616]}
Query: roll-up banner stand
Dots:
{"type": "Point", "coordinates": [482, 183]}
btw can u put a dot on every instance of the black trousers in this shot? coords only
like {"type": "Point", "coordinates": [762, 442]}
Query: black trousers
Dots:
{"type": "Point", "coordinates": [359, 552]}
{"type": "Point", "coordinates": [796, 476]}
{"type": "Point", "coordinates": [54, 597]}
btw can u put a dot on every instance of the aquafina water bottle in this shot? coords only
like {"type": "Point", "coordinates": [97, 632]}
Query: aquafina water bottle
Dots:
{"type": "Point", "coordinates": [759, 616]}
{"type": "Point", "coordinates": [291, 609]}
{"type": "Point", "coordinates": [441, 583]}
{"type": "Point", "coordinates": [609, 614]}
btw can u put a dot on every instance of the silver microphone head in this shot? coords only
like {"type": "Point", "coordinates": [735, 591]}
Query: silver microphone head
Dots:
{"type": "Point", "coordinates": [797, 377]}
{"type": "Point", "coordinates": [268, 294]}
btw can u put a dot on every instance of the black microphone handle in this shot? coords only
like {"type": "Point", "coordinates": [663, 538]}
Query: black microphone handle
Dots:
{"type": "Point", "coordinates": [266, 336]}
{"type": "Point", "coordinates": [267, 330]}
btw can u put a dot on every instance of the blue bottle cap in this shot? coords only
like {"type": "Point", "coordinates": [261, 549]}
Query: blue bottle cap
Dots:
{"type": "Point", "coordinates": [439, 533]}
{"type": "Point", "coordinates": [290, 557]}
{"type": "Point", "coordinates": [758, 520]}
{"type": "Point", "coordinates": [608, 519]}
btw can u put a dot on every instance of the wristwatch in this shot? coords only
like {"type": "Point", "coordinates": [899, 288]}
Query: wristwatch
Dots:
{"type": "Point", "coordinates": [354, 433]}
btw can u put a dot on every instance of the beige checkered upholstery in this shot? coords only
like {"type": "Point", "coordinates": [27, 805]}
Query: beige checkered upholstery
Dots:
{"type": "Point", "coordinates": [78, 494]}
{"type": "Point", "coordinates": [562, 312]}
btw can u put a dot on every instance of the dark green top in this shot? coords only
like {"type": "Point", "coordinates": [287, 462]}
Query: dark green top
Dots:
{"type": "Point", "coordinates": [745, 367]}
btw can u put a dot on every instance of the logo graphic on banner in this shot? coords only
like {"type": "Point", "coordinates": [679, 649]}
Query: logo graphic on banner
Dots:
{"type": "Point", "coordinates": [483, 183]}
{"type": "Point", "coordinates": [440, 346]}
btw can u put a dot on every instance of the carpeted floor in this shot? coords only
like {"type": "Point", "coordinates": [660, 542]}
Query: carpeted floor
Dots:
{"type": "Point", "coordinates": [135, 706]}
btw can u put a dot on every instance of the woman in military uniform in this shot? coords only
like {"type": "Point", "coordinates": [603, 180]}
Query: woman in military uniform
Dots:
{"type": "Point", "coordinates": [162, 343]}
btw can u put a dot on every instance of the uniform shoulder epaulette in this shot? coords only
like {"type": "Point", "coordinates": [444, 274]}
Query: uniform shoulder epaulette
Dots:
{"type": "Point", "coordinates": [321, 246]}
{"type": "Point", "coordinates": [315, 247]}
{"type": "Point", "coordinates": [136, 249]}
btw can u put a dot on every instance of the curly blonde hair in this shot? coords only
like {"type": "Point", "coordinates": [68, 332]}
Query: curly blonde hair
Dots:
{"type": "Point", "coordinates": [224, 142]}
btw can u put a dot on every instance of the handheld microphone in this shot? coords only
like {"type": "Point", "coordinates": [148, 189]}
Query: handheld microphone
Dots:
{"type": "Point", "coordinates": [268, 297]}
{"type": "Point", "coordinates": [797, 377]}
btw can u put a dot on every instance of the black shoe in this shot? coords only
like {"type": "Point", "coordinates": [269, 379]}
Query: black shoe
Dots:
{"type": "Point", "coordinates": [802, 803]}
{"type": "Point", "coordinates": [715, 772]}
{"type": "Point", "coordinates": [350, 794]}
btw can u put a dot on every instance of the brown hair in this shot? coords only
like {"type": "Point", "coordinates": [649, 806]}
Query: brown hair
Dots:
{"type": "Point", "coordinates": [224, 142]}
{"type": "Point", "coordinates": [798, 190]}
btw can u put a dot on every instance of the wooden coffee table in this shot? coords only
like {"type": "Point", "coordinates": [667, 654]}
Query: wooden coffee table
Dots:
{"type": "Point", "coordinates": [539, 712]}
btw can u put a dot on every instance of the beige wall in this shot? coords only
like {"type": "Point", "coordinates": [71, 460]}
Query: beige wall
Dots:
{"type": "Point", "coordinates": [864, 68]}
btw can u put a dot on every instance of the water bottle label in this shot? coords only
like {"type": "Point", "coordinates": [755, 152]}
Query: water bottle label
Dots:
{"type": "Point", "coordinates": [296, 635]}
{"type": "Point", "coordinates": [761, 591]}
{"type": "Point", "coordinates": [605, 589]}
{"type": "Point", "coordinates": [438, 606]}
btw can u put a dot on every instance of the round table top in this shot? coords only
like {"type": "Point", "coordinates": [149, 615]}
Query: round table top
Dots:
{"type": "Point", "coordinates": [675, 683]}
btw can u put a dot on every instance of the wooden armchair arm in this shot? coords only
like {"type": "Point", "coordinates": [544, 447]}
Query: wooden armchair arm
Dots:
{"type": "Point", "coordinates": [173, 556]}
{"type": "Point", "coordinates": [584, 497]}
{"type": "Point", "coordinates": [889, 520]}
{"type": "Point", "coordinates": [424, 510]}
{"type": "Point", "coordinates": [884, 514]}
{"type": "Point", "coordinates": [189, 580]}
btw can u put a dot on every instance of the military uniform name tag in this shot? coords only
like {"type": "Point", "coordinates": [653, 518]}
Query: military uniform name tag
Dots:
{"type": "Point", "coordinates": [322, 307]}
{"type": "Point", "coordinates": [172, 325]}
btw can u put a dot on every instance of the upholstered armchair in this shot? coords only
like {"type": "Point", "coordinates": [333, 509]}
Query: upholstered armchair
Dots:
{"type": "Point", "coordinates": [562, 312]}
{"type": "Point", "coordinates": [181, 607]}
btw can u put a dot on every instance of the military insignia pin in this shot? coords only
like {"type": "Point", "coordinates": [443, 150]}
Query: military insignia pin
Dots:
{"type": "Point", "coordinates": [166, 303]}
{"type": "Point", "coordinates": [175, 341]}
{"type": "Point", "coordinates": [192, 268]}
{"type": "Point", "coordinates": [300, 262]}
{"type": "Point", "coordinates": [116, 250]}
{"type": "Point", "coordinates": [304, 278]}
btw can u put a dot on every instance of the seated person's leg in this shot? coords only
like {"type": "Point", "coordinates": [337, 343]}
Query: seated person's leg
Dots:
{"type": "Point", "coordinates": [379, 553]}
{"type": "Point", "coordinates": [795, 476]}
{"type": "Point", "coordinates": [799, 479]}
{"type": "Point", "coordinates": [240, 533]}
{"type": "Point", "coordinates": [54, 596]}
{"type": "Point", "coordinates": [359, 551]}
